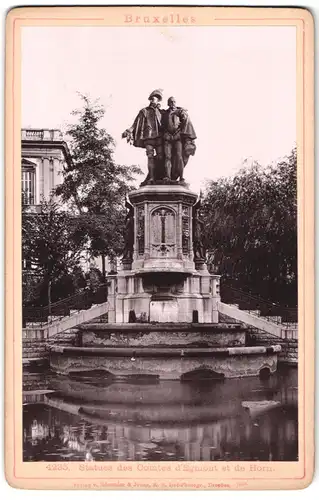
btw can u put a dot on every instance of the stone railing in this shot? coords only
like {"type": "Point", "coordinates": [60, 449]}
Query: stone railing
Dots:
{"type": "Point", "coordinates": [274, 328]}
{"type": "Point", "coordinates": [36, 134]}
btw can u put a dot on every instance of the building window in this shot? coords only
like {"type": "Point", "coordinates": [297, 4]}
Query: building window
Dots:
{"type": "Point", "coordinates": [28, 186]}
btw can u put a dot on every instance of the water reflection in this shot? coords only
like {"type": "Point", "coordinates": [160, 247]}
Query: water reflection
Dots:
{"type": "Point", "coordinates": [89, 418]}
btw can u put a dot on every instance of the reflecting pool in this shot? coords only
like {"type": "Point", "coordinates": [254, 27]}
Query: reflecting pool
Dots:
{"type": "Point", "coordinates": [90, 417]}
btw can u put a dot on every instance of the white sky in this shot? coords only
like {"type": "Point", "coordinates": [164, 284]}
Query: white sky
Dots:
{"type": "Point", "coordinates": [238, 84]}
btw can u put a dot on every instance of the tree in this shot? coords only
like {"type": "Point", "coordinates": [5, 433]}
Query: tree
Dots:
{"type": "Point", "coordinates": [94, 186]}
{"type": "Point", "coordinates": [52, 245]}
{"type": "Point", "coordinates": [251, 229]}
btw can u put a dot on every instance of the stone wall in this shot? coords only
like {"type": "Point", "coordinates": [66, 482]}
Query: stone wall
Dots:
{"type": "Point", "coordinates": [154, 338]}
{"type": "Point", "coordinates": [167, 363]}
{"type": "Point", "coordinates": [289, 347]}
{"type": "Point", "coordinates": [34, 348]}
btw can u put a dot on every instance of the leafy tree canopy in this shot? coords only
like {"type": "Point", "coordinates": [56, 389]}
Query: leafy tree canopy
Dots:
{"type": "Point", "coordinates": [52, 247]}
{"type": "Point", "coordinates": [94, 185]}
{"type": "Point", "coordinates": [251, 229]}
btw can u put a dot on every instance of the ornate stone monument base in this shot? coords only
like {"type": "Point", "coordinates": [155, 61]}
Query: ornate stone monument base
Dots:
{"type": "Point", "coordinates": [171, 298]}
{"type": "Point", "coordinates": [164, 281]}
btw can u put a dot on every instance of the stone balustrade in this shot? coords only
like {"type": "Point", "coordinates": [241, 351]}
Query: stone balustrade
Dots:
{"type": "Point", "coordinates": [37, 134]}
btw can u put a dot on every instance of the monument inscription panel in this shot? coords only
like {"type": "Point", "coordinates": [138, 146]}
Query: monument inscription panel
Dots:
{"type": "Point", "coordinates": [163, 232]}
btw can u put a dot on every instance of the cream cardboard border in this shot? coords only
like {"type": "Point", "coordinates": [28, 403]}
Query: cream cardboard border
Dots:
{"type": "Point", "coordinates": [284, 475]}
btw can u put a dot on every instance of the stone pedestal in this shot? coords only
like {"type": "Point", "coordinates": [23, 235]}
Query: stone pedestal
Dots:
{"type": "Point", "coordinates": [163, 229]}
{"type": "Point", "coordinates": [163, 284]}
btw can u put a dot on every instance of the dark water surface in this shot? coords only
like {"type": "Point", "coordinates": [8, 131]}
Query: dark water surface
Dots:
{"type": "Point", "coordinates": [87, 418]}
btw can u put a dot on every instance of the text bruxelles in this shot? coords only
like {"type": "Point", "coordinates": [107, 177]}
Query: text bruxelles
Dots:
{"type": "Point", "coordinates": [170, 19]}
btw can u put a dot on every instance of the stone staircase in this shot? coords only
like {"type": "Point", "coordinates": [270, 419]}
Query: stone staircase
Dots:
{"type": "Point", "coordinates": [44, 330]}
{"type": "Point", "coordinates": [36, 340]}
{"type": "Point", "coordinates": [35, 348]}
{"type": "Point", "coordinates": [63, 323]}
{"type": "Point", "coordinates": [264, 331]}
{"type": "Point", "coordinates": [272, 325]}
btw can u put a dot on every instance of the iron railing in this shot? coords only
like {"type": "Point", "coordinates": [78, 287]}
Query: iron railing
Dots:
{"type": "Point", "coordinates": [79, 301]}
{"type": "Point", "coordinates": [258, 306]}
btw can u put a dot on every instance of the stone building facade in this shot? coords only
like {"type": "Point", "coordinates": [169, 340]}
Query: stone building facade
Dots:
{"type": "Point", "coordinates": [44, 153]}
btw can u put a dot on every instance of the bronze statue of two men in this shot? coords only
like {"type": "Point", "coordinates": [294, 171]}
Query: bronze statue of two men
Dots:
{"type": "Point", "coordinates": [167, 136]}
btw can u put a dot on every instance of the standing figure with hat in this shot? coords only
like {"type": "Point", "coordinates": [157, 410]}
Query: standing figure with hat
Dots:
{"type": "Point", "coordinates": [179, 136]}
{"type": "Point", "coordinates": [146, 132]}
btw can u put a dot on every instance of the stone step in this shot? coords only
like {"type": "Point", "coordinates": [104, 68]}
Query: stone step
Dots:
{"type": "Point", "coordinates": [61, 342]}
{"type": "Point", "coordinates": [36, 360]}
{"type": "Point", "coordinates": [33, 355]}
{"type": "Point", "coordinates": [51, 319]}
{"type": "Point", "coordinates": [285, 335]}
{"type": "Point", "coordinates": [67, 333]}
{"type": "Point", "coordinates": [34, 386]}
{"type": "Point", "coordinates": [26, 342]}
{"type": "Point", "coordinates": [254, 312]}
{"type": "Point", "coordinates": [34, 378]}
{"type": "Point", "coordinates": [62, 335]}
{"type": "Point", "coordinates": [38, 346]}
{"type": "Point", "coordinates": [271, 319]}
{"type": "Point", "coordinates": [33, 352]}
{"type": "Point", "coordinates": [274, 319]}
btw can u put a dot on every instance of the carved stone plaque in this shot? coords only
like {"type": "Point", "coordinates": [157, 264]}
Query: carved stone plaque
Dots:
{"type": "Point", "coordinates": [140, 230]}
{"type": "Point", "coordinates": [185, 230]}
{"type": "Point", "coordinates": [163, 232]}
